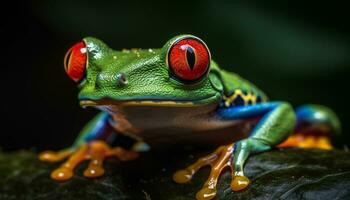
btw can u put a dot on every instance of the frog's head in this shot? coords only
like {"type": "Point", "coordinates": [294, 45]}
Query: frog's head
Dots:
{"type": "Point", "coordinates": [179, 74]}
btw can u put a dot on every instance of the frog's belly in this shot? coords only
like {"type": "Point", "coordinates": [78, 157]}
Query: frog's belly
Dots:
{"type": "Point", "coordinates": [172, 137]}
{"type": "Point", "coordinates": [173, 124]}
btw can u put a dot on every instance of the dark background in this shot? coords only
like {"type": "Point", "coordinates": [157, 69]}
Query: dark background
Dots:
{"type": "Point", "coordinates": [294, 50]}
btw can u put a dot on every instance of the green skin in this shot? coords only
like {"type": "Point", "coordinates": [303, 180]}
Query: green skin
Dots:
{"type": "Point", "coordinates": [149, 88]}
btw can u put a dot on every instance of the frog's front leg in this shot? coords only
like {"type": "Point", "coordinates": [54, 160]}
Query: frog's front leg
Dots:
{"type": "Point", "coordinates": [92, 144]}
{"type": "Point", "coordinates": [277, 121]}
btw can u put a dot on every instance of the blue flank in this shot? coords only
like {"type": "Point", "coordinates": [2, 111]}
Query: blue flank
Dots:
{"type": "Point", "coordinates": [263, 110]}
{"type": "Point", "coordinates": [244, 112]}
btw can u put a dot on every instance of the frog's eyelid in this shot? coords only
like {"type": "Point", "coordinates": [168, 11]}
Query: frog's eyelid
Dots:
{"type": "Point", "coordinates": [67, 58]}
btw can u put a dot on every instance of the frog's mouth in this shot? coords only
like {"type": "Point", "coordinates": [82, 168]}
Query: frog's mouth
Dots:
{"type": "Point", "coordinates": [86, 103]}
{"type": "Point", "coordinates": [147, 102]}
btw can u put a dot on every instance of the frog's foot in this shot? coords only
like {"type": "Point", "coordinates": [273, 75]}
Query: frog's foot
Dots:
{"type": "Point", "coordinates": [95, 151]}
{"type": "Point", "coordinates": [307, 141]}
{"type": "Point", "coordinates": [218, 160]}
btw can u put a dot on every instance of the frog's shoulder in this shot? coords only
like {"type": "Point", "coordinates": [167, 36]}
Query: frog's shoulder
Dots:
{"type": "Point", "coordinates": [237, 89]}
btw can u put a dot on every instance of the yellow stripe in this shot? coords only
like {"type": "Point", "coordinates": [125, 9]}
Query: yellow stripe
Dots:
{"type": "Point", "coordinates": [249, 96]}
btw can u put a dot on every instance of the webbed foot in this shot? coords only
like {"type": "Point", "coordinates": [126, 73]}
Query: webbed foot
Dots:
{"type": "Point", "coordinates": [218, 160]}
{"type": "Point", "coordinates": [307, 141]}
{"type": "Point", "coordinates": [95, 151]}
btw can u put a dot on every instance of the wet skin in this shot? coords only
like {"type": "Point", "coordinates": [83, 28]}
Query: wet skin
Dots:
{"type": "Point", "coordinates": [178, 89]}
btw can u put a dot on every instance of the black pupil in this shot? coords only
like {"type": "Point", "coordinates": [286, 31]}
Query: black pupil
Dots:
{"type": "Point", "coordinates": [191, 57]}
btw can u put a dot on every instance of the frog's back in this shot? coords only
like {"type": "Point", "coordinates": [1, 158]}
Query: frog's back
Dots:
{"type": "Point", "coordinates": [237, 90]}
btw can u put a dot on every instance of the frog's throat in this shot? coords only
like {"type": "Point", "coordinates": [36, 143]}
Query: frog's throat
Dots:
{"type": "Point", "coordinates": [158, 103]}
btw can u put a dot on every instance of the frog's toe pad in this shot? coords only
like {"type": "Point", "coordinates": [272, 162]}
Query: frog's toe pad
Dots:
{"type": "Point", "coordinates": [239, 183]}
{"type": "Point", "coordinates": [182, 176]}
{"type": "Point", "coordinates": [94, 171]}
{"type": "Point", "coordinates": [62, 174]}
{"type": "Point", "coordinates": [218, 160]}
{"type": "Point", "coordinates": [206, 193]}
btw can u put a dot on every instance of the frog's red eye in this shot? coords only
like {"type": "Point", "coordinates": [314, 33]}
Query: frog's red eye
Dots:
{"type": "Point", "coordinates": [75, 61]}
{"type": "Point", "coordinates": [189, 59]}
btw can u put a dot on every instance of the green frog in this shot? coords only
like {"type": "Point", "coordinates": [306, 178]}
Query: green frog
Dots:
{"type": "Point", "coordinates": [174, 92]}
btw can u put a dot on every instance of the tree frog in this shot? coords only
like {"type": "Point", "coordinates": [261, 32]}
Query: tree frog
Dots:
{"type": "Point", "coordinates": [175, 90]}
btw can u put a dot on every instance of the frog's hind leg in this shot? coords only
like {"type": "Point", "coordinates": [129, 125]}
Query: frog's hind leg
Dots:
{"type": "Point", "coordinates": [316, 125]}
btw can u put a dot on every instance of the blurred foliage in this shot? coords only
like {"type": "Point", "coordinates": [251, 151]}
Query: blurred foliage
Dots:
{"type": "Point", "coordinates": [294, 50]}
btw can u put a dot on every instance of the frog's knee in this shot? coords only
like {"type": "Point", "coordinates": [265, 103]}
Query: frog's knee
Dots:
{"type": "Point", "coordinates": [287, 109]}
{"type": "Point", "coordinates": [317, 118]}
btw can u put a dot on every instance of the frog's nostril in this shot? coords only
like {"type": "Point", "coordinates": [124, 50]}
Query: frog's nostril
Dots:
{"type": "Point", "coordinates": [121, 78]}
